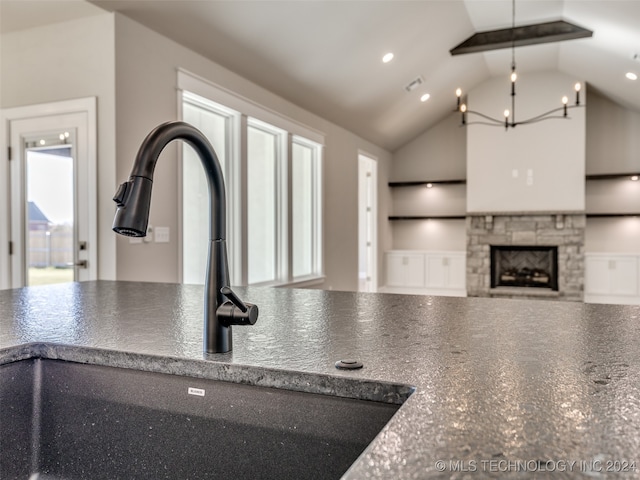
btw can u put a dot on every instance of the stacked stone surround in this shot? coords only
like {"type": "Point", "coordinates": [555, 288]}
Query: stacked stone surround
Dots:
{"type": "Point", "coordinates": [566, 231]}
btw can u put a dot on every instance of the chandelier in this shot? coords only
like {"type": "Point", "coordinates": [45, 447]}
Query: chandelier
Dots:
{"type": "Point", "coordinates": [532, 34]}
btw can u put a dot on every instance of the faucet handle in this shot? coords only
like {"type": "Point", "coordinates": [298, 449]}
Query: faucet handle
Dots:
{"type": "Point", "coordinates": [235, 299]}
{"type": "Point", "coordinates": [228, 313]}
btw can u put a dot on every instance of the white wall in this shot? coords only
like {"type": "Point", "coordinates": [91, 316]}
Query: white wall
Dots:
{"type": "Point", "coordinates": [430, 235]}
{"type": "Point", "coordinates": [613, 147]}
{"type": "Point", "coordinates": [534, 168]}
{"type": "Point", "coordinates": [438, 154]}
{"type": "Point", "coordinates": [64, 61]}
{"type": "Point", "coordinates": [146, 64]}
{"type": "Point", "coordinates": [439, 200]}
{"type": "Point", "coordinates": [612, 235]}
{"type": "Point", "coordinates": [613, 196]}
{"type": "Point", "coordinates": [613, 137]}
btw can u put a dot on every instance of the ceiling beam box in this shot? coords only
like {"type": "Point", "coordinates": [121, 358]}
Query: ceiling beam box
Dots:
{"type": "Point", "coordinates": [535, 34]}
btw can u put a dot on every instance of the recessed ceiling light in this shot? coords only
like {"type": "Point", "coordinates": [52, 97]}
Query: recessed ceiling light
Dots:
{"type": "Point", "coordinates": [388, 57]}
{"type": "Point", "coordinates": [634, 178]}
{"type": "Point", "coordinates": [631, 76]}
{"type": "Point", "coordinates": [425, 97]}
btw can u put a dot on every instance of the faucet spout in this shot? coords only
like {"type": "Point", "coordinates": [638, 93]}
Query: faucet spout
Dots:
{"type": "Point", "coordinates": [133, 199]}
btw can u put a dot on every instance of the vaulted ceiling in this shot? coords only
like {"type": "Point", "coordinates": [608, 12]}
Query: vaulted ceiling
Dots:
{"type": "Point", "coordinates": [326, 56]}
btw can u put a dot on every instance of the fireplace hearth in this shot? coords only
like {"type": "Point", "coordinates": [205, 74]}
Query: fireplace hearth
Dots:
{"type": "Point", "coordinates": [524, 266]}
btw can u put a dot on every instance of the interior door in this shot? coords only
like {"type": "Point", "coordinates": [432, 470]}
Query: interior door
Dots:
{"type": "Point", "coordinates": [52, 206]}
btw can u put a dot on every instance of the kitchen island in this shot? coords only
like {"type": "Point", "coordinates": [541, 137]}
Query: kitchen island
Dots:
{"type": "Point", "coordinates": [493, 387]}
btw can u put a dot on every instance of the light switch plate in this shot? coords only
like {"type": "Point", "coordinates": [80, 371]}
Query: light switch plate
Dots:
{"type": "Point", "coordinates": [162, 234]}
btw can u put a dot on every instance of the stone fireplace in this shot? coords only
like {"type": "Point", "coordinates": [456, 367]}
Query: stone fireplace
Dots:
{"type": "Point", "coordinates": [526, 256]}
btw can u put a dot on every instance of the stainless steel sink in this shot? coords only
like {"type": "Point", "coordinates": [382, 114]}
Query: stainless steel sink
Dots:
{"type": "Point", "coordinates": [64, 420]}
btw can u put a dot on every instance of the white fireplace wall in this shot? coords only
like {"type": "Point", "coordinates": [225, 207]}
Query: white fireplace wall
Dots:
{"type": "Point", "coordinates": [530, 168]}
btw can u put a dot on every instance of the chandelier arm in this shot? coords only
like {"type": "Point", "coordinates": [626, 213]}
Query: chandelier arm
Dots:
{"type": "Point", "coordinates": [492, 124]}
{"type": "Point", "coordinates": [542, 119]}
{"type": "Point", "coordinates": [495, 120]}
{"type": "Point", "coordinates": [544, 116]}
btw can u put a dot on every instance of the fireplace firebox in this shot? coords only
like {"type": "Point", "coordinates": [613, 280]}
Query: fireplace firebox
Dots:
{"type": "Point", "coordinates": [524, 266]}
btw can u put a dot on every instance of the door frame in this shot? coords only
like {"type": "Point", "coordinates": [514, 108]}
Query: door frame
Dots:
{"type": "Point", "coordinates": [9, 277]}
{"type": "Point", "coordinates": [368, 163]}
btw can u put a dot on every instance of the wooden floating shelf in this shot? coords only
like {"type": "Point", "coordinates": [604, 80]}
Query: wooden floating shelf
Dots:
{"type": "Point", "coordinates": [432, 217]}
{"type": "Point", "coordinates": [415, 183]}
{"type": "Point", "coordinates": [604, 215]}
{"type": "Point", "coordinates": [462, 217]}
{"type": "Point", "coordinates": [612, 176]}
{"type": "Point", "coordinates": [425, 182]}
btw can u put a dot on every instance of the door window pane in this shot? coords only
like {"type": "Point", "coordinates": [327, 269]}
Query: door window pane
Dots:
{"type": "Point", "coordinates": [261, 205]}
{"type": "Point", "coordinates": [49, 209]}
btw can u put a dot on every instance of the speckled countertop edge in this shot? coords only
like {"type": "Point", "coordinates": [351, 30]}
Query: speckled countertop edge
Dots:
{"type": "Point", "coordinates": [355, 388]}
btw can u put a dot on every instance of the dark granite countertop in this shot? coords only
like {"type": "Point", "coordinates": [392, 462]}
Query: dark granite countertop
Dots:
{"type": "Point", "coordinates": [502, 387]}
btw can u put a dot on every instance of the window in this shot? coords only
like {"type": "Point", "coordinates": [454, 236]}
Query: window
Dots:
{"type": "Point", "coordinates": [273, 171]}
{"type": "Point", "coordinates": [305, 208]}
{"type": "Point", "coordinates": [216, 124]}
{"type": "Point", "coordinates": [264, 200]}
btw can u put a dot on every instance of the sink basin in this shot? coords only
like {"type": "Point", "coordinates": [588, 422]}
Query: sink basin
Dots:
{"type": "Point", "coordinates": [65, 420]}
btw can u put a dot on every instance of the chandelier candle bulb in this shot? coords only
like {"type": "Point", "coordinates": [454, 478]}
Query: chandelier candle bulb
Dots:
{"type": "Point", "coordinates": [577, 87]}
{"type": "Point", "coordinates": [463, 109]}
{"type": "Point", "coordinates": [565, 100]}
